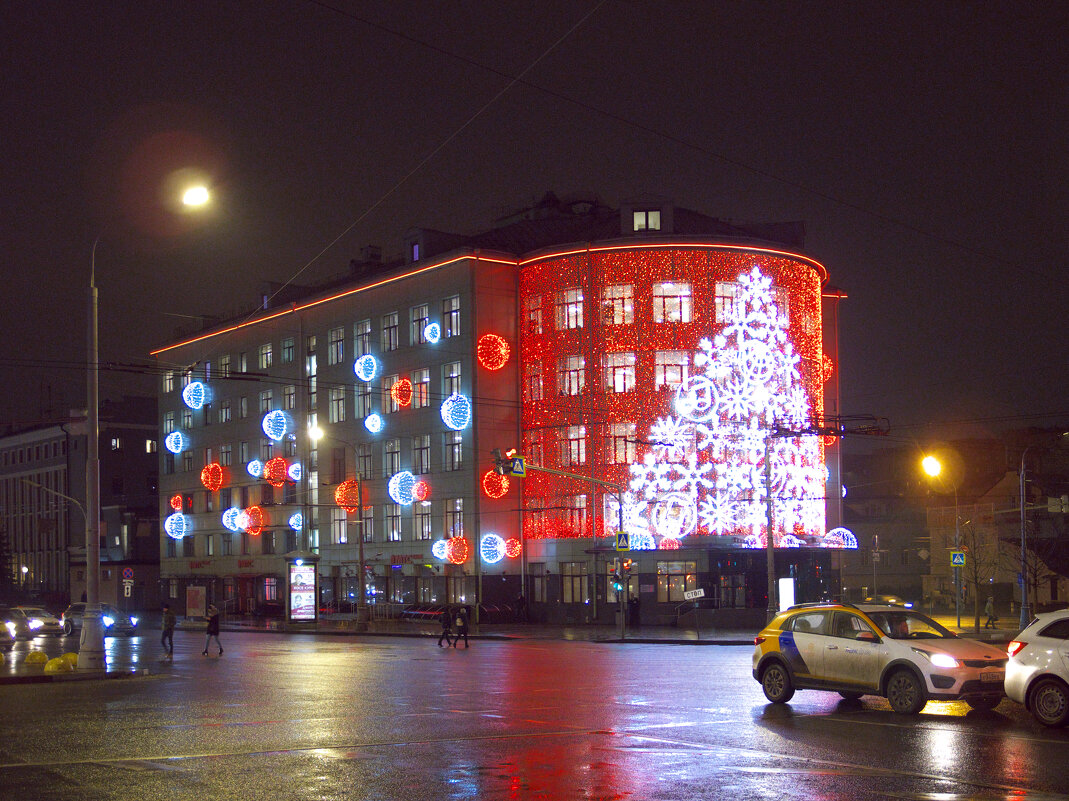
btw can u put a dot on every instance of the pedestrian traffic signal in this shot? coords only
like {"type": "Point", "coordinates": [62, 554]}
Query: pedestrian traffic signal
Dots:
{"type": "Point", "coordinates": [510, 464]}
{"type": "Point", "coordinates": [627, 567]}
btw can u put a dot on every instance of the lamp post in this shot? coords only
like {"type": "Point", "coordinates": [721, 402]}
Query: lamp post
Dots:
{"type": "Point", "coordinates": [1026, 609]}
{"type": "Point", "coordinates": [933, 467]}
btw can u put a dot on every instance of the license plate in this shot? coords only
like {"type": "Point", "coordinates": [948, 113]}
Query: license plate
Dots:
{"type": "Point", "coordinates": [992, 676]}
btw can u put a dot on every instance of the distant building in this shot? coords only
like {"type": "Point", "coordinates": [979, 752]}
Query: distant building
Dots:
{"type": "Point", "coordinates": [649, 348]}
{"type": "Point", "coordinates": [43, 498]}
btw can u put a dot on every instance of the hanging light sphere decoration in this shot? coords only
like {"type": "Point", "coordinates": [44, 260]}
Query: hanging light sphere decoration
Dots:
{"type": "Point", "coordinates": [176, 526]}
{"type": "Point", "coordinates": [295, 471]}
{"type": "Point", "coordinates": [212, 476]}
{"type": "Point", "coordinates": [276, 471]}
{"type": "Point", "coordinates": [253, 519]}
{"type": "Point", "coordinates": [276, 424]}
{"type": "Point", "coordinates": [296, 521]}
{"type": "Point", "coordinates": [176, 442]}
{"type": "Point", "coordinates": [365, 367]}
{"type": "Point", "coordinates": [456, 411]}
{"type": "Point", "coordinates": [421, 490]}
{"type": "Point", "coordinates": [432, 332]}
{"type": "Point", "coordinates": [440, 549]}
{"type": "Point", "coordinates": [373, 423]}
{"type": "Point", "coordinates": [401, 392]}
{"type": "Point", "coordinates": [513, 548]}
{"type": "Point", "coordinates": [492, 548]}
{"type": "Point", "coordinates": [495, 485]}
{"type": "Point", "coordinates": [255, 468]}
{"type": "Point", "coordinates": [176, 503]}
{"type": "Point", "coordinates": [232, 519]}
{"type": "Point", "coordinates": [400, 487]}
{"type": "Point", "coordinates": [457, 550]}
{"type": "Point", "coordinates": [195, 395]}
{"type": "Point", "coordinates": [347, 495]}
{"type": "Point", "coordinates": [492, 351]}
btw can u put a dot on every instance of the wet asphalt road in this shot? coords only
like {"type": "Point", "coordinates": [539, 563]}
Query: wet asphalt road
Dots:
{"type": "Point", "coordinates": [321, 717]}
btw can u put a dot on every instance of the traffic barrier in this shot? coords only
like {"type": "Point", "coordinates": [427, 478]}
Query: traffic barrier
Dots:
{"type": "Point", "coordinates": [36, 658]}
{"type": "Point", "coordinates": [58, 665]}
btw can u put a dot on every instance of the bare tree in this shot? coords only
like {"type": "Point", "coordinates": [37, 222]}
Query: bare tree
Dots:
{"type": "Point", "coordinates": [981, 546]}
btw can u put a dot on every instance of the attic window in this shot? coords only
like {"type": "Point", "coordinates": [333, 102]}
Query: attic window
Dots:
{"type": "Point", "coordinates": [648, 220]}
{"type": "Point", "coordinates": [415, 251]}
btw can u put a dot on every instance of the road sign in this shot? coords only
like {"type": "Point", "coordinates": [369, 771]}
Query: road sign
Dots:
{"type": "Point", "coordinates": [518, 466]}
{"type": "Point", "coordinates": [622, 542]}
{"type": "Point", "coordinates": [693, 595]}
{"type": "Point", "coordinates": [127, 572]}
{"type": "Point", "coordinates": [957, 558]}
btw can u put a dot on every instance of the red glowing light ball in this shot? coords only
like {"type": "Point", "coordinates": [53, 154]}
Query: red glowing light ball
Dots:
{"type": "Point", "coordinates": [494, 485]}
{"type": "Point", "coordinates": [668, 544]}
{"type": "Point", "coordinates": [347, 495]}
{"type": "Point", "coordinates": [421, 490]}
{"type": "Point", "coordinates": [457, 550]}
{"type": "Point", "coordinates": [401, 392]}
{"type": "Point", "coordinates": [513, 548]}
{"type": "Point", "coordinates": [276, 471]}
{"type": "Point", "coordinates": [492, 351]}
{"type": "Point", "coordinates": [176, 503]}
{"type": "Point", "coordinates": [255, 517]}
{"type": "Point", "coordinates": [212, 476]}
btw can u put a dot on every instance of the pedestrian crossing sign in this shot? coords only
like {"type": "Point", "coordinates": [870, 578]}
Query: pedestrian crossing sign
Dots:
{"type": "Point", "coordinates": [957, 558]}
{"type": "Point", "coordinates": [622, 543]}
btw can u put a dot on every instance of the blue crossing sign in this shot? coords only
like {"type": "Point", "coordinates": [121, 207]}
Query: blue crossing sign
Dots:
{"type": "Point", "coordinates": [957, 558]}
{"type": "Point", "coordinates": [622, 542]}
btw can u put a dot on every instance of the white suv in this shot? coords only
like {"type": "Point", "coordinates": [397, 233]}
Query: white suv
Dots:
{"type": "Point", "coordinates": [892, 651]}
{"type": "Point", "coordinates": [1037, 674]}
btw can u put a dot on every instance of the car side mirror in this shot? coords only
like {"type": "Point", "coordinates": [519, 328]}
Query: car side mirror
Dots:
{"type": "Point", "coordinates": [867, 636]}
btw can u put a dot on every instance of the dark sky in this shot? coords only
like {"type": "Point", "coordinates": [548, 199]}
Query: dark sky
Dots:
{"type": "Point", "coordinates": [924, 144]}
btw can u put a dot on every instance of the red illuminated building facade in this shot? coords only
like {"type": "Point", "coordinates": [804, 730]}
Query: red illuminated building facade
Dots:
{"type": "Point", "coordinates": [636, 357]}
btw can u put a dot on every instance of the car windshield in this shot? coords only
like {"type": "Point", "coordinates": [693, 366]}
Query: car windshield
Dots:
{"type": "Point", "coordinates": [32, 611]}
{"type": "Point", "coordinates": [907, 625]}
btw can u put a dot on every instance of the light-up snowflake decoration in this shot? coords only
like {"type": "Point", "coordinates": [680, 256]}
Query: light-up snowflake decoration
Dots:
{"type": "Point", "coordinates": [704, 469]}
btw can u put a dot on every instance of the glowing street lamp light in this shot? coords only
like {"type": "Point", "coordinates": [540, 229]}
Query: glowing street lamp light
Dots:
{"type": "Point", "coordinates": [196, 196]}
{"type": "Point", "coordinates": [931, 466]}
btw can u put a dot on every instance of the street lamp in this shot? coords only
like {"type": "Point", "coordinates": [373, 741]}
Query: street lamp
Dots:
{"type": "Point", "coordinates": [362, 612]}
{"type": "Point", "coordinates": [1026, 609]}
{"type": "Point", "coordinates": [933, 467]}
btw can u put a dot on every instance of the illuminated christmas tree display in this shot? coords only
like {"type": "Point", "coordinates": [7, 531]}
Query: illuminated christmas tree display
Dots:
{"type": "Point", "coordinates": [704, 470]}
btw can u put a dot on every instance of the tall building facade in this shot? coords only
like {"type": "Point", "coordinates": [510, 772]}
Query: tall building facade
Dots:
{"type": "Point", "coordinates": [637, 358]}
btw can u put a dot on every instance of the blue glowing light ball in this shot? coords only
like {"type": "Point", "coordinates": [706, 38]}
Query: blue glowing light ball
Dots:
{"type": "Point", "coordinates": [432, 333]}
{"type": "Point", "coordinates": [365, 367]}
{"type": "Point", "coordinates": [400, 487]}
{"type": "Point", "coordinates": [492, 548]}
{"type": "Point", "coordinates": [276, 424]}
{"type": "Point", "coordinates": [176, 442]}
{"type": "Point", "coordinates": [255, 468]}
{"type": "Point", "coordinates": [456, 411]}
{"type": "Point", "coordinates": [439, 549]}
{"type": "Point", "coordinates": [176, 526]}
{"type": "Point", "coordinates": [373, 423]}
{"type": "Point", "coordinates": [195, 395]}
{"type": "Point", "coordinates": [296, 521]}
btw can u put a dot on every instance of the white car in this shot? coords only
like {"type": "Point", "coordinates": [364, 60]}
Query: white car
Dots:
{"type": "Point", "coordinates": [1037, 674]}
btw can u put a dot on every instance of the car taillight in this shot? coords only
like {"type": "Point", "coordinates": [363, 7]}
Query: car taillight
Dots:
{"type": "Point", "coordinates": [1014, 647]}
{"type": "Point", "coordinates": [758, 640]}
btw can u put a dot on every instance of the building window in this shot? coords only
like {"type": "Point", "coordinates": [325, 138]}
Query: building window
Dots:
{"type": "Point", "coordinates": [569, 309]}
{"type": "Point", "coordinates": [270, 589]}
{"type": "Point", "coordinates": [389, 403]}
{"type": "Point", "coordinates": [168, 381]}
{"type": "Point", "coordinates": [622, 444]}
{"type": "Point", "coordinates": [172, 586]}
{"type": "Point", "coordinates": [421, 388]}
{"type": "Point", "coordinates": [671, 302]}
{"type": "Point", "coordinates": [533, 447]}
{"type": "Point", "coordinates": [243, 407]}
{"type": "Point", "coordinates": [243, 452]}
{"type": "Point", "coordinates": [289, 397]}
{"type": "Point", "coordinates": [224, 366]}
{"type": "Point", "coordinates": [364, 460]}
{"type": "Point", "coordinates": [389, 332]}
{"type": "Point", "coordinates": [116, 443]}
{"type": "Point", "coordinates": [532, 315]}
{"type": "Point", "coordinates": [618, 304]}
{"type": "Point", "coordinates": [619, 372]}
{"type": "Point", "coordinates": [451, 316]}
{"type": "Point", "coordinates": [226, 455]}
{"type": "Point", "coordinates": [573, 446]}
{"type": "Point", "coordinates": [576, 513]}
{"type": "Point", "coordinates": [647, 220]}
{"type": "Point", "coordinates": [453, 451]}
{"type": "Point", "coordinates": [367, 523]}
{"type": "Point", "coordinates": [188, 547]}
{"type": "Point", "coordinates": [574, 583]}
{"type": "Point", "coordinates": [422, 521]}
{"type": "Point", "coordinates": [339, 531]}
{"type": "Point", "coordinates": [392, 521]}
{"type": "Point", "coordinates": [675, 578]}
{"type": "Point", "coordinates": [451, 378]}
{"type": "Point", "coordinates": [224, 411]}
{"type": "Point", "coordinates": [362, 398]}
{"type": "Point", "coordinates": [571, 375]}
{"type": "Point", "coordinates": [266, 398]}
{"type": "Point", "coordinates": [289, 350]}
{"type": "Point", "coordinates": [266, 357]}
{"type": "Point", "coordinates": [187, 419]}
{"type": "Point", "coordinates": [245, 539]}
{"type": "Point", "coordinates": [421, 454]}
{"type": "Point", "coordinates": [335, 345]}
{"type": "Point", "coordinates": [420, 316]}
{"type": "Point", "coordinates": [168, 422]}
{"type": "Point", "coordinates": [227, 545]}
{"type": "Point", "coordinates": [532, 382]}
{"type": "Point", "coordinates": [336, 407]}
{"type": "Point", "coordinates": [243, 362]}
{"type": "Point", "coordinates": [391, 457]}
{"type": "Point", "coordinates": [187, 461]}
{"type": "Point", "coordinates": [172, 549]}
{"type": "Point", "coordinates": [454, 517]}
{"type": "Point", "coordinates": [151, 446]}
{"type": "Point", "coordinates": [414, 251]}
{"type": "Point", "coordinates": [670, 368]}
{"type": "Point", "coordinates": [361, 338]}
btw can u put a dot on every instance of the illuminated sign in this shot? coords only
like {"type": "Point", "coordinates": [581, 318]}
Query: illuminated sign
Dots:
{"type": "Point", "coordinates": [302, 591]}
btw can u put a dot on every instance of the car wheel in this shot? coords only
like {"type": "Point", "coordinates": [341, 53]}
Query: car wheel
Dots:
{"type": "Point", "coordinates": [776, 682]}
{"type": "Point", "coordinates": [906, 693]}
{"type": "Point", "coordinates": [850, 695]}
{"type": "Point", "coordinates": [984, 702]}
{"type": "Point", "coordinates": [1049, 702]}
{"type": "Point", "coordinates": [68, 628]}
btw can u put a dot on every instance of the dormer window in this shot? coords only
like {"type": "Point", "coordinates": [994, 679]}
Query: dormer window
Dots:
{"type": "Point", "coordinates": [415, 251]}
{"type": "Point", "coordinates": [647, 220]}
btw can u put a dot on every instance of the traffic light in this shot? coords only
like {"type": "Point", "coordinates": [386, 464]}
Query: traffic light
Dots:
{"type": "Point", "coordinates": [501, 464]}
{"type": "Point", "coordinates": [508, 465]}
{"type": "Point", "coordinates": [627, 567]}
{"type": "Point", "coordinates": [1058, 505]}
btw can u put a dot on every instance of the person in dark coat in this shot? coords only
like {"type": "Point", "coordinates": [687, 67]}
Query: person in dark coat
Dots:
{"type": "Point", "coordinates": [447, 627]}
{"type": "Point", "coordinates": [213, 629]}
{"type": "Point", "coordinates": [167, 637]}
{"type": "Point", "coordinates": [461, 623]}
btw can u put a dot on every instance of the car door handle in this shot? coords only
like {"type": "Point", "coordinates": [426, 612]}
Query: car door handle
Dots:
{"type": "Point", "coordinates": [833, 647]}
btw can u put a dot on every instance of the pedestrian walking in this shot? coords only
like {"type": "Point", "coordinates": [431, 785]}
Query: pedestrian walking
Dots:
{"type": "Point", "coordinates": [167, 637]}
{"type": "Point", "coordinates": [461, 623]}
{"type": "Point", "coordinates": [447, 627]}
{"type": "Point", "coordinates": [989, 610]}
{"type": "Point", "coordinates": [213, 629]}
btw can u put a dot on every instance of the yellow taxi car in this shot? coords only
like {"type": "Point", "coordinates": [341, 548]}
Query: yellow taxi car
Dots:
{"type": "Point", "coordinates": [891, 651]}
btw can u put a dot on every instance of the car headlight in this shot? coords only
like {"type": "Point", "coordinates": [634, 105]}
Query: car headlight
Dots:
{"type": "Point", "coordinates": [11, 628]}
{"type": "Point", "coordinates": [108, 621]}
{"type": "Point", "coordinates": [133, 621]}
{"type": "Point", "coordinates": [938, 660]}
{"type": "Point", "coordinates": [34, 623]}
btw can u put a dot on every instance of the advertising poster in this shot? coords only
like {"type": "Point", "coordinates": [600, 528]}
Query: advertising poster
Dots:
{"type": "Point", "coordinates": [302, 592]}
{"type": "Point", "coordinates": [196, 601]}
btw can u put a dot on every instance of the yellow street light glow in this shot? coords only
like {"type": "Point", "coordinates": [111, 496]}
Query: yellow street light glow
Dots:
{"type": "Point", "coordinates": [931, 466]}
{"type": "Point", "coordinates": [195, 196]}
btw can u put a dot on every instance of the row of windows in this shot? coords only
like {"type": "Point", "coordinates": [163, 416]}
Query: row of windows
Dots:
{"type": "Point", "coordinates": [33, 453]}
{"type": "Point", "coordinates": [671, 368]}
{"type": "Point", "coordinates": [672, 302]}
{"type": "Point", "coordinates": [389, 340]}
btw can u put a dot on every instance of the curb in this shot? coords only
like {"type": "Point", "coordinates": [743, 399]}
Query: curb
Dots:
{"type": "Point", "coordinates": [42, 678]}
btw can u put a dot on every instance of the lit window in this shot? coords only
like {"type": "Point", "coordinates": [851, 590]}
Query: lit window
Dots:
{"type": "Point", "coordinates": [421, 454]}
{"type": "Point", "coordinates": [288, 350]}
{"type": "Point", "coordinates": [532, 312]}
{"type": "Point", "coordinates": [573, 446]}
{"type": "Point", "coordinates": [671, 302]}
{"type": "Point", "coordinates": [224, 366]}
{"type": "Point", "coordinates": [224, 411]}
{"type": "Point", "coordinates": [647, 220]}
{"type": "Point", "coordinates": [289, 397]}
{"type": "Point", "coordinates": [420, 316]}
{"type": "Point", "coordinates": [339, 527]}
{"type": "Point", "coordinates": [670, 368]}
{"type": "Point", "coordinates": [389, 402]}
{"type": "Point", "coordinates": [571, 375]}
{"type": "Point", "coordinates": [569, 310]}
{"type": "Point", "coordinates": [392, 521]}
{"type": "Point", "coordinates": [361, 338]}
{"type": "Point", "coordinates": [391, 457]}
{"type": "Point", "coordinates": [266, 397]}
{"type": "Point", "coordinates": [363, 400]}
{"type": "Point", "coordinates": [452, 450]}
{"type": "Point", "coordinates": [168, 422]}
{"type": "Point", "coordinates": [622, 444]}
{"type": "Point", "coordinates": [421, 388]}
{"type": "Point", "coordinates": [150, 446]}
{"type": "Point", "coordinates": [451, 316]}
{"type": "Point", "coordinates": [451, 379]}
{"type": "Point", "coordinates": [618, 304]}
{"type": "Point", "coordinates": [389, 331]}
{"type": "Point", "coordinates": [619, 372]}
{"type": "Point", "coordinates": [422, 521]}
{"type": "Point", "coordinates": [532, 381]}
{"type": "Point", "coordinates": [454, 517]}
{"type": "Point", "coordinates": [335, 345]}
{"type": "Point", "coordinates": [336, 409]}
{"type": "Point", "coordinates": [266, 357]}
{"type": "Point", "coordinates": [168, 381]}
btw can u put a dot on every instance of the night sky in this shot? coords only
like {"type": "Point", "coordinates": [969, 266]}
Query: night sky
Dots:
{"type": "Point", "coordinates": [924, 145]}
